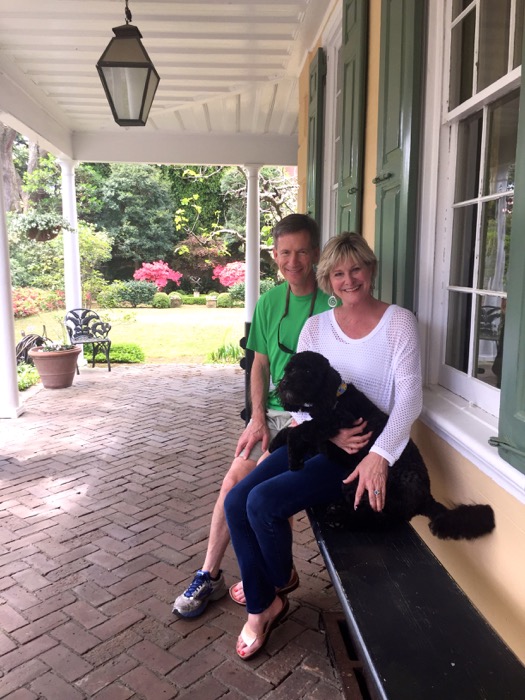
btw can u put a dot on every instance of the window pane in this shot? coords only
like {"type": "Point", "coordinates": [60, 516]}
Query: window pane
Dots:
{"type": "Point", "coordinates": [502, 139]}
{"type": "Point", "coordinates": [497, 220]}
{"type": "Point", "coordinates": [490, 339]}
{"type": "Point", "coordinates": [493, 41]}
{"type": "Point", "coordinates": [518, 37]}
{"type": "Point", "coordinates": [458, 331]}
{"type": "Point", "coordinates": [468, 160]}
{"type": "Point", "coordinates": [463, 246]}
{"type": "Point", "coordinates": [462, 60]}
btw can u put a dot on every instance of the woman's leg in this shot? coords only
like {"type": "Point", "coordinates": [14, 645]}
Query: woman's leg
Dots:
{"type": "Point", "coordinates": [243, 538]}
{"type": "Point", "coordinates": [258, 509]}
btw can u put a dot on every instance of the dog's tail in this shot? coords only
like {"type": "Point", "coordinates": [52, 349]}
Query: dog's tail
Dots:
{"type": "Point", "coordinates": [461, 522]}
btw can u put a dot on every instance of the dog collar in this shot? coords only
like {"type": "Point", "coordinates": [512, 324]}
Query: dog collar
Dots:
{"type": "Point", "coordinates": [342, 388]}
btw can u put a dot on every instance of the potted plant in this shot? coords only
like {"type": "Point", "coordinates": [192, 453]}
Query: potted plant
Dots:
{"type": "Point", "coordinates": [56, 363]}
{"type": "Point", "coordinates": [41, 225]}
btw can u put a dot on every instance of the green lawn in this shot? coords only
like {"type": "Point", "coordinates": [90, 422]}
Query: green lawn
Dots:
{"type": "Point", "coordinates": [185, 335]}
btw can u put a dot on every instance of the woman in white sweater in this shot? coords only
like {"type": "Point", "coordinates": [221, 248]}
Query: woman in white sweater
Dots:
{"type": "Point", "coordinates": [376, 347]}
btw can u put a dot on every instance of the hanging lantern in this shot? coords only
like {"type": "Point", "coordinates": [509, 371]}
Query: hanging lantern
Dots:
{"type": "Point", "coordinates": [128, 76]}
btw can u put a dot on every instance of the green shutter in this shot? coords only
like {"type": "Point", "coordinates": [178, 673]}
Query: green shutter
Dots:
{"type": "Point", "coordinates": [316, 134]}
{"type": "Point", "coordinates": [354, 66]}
{"type": "Point", "coordinates": [511, 440]}
{"type": "Point", "coordinates": [400, 98]}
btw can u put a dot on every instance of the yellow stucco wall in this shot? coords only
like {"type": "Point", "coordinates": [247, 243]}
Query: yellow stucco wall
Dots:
{"type": "Point", "coordinates": [490, 570]}
{"type": "Point", "coordinates": [372, 103]}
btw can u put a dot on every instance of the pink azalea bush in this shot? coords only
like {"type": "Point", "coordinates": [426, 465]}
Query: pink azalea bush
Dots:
{"type": "Point", "coordinates": [158, 272]}
{"type": "Point", "coordinates": [28, 301]}
{"type": "Point", "coordinates": [230, 274]}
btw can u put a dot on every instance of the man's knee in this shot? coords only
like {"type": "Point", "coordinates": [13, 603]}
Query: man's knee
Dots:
{"type": "Point", "coordinates": [240, 468]}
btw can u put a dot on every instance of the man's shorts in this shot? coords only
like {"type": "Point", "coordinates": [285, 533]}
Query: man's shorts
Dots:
{"type": "Point", "coordinates": [276, 420]}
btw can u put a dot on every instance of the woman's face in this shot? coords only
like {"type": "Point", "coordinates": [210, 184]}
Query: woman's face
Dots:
{"type": "Point", "coordinates": [351, 281]}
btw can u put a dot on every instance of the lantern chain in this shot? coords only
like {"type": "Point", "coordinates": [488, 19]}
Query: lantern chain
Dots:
{"type": "Point", "coordinates": [128, 13]}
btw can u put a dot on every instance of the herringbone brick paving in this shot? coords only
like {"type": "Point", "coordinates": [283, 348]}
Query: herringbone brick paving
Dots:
{"type": "Point", "coordinates": [106, 493]}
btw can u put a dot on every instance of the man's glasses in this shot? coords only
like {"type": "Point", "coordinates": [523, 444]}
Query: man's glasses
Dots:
{"type": "Point", "coordinates": [282, 346]}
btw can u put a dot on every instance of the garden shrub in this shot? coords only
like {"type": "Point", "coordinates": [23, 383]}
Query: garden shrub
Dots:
{"type": "Point", "coordinates": [138, 292]}
{"type": "Point", "coordinates": [27, 376]}
{"type": "Point", "coordinates": [161, 301]}
{"type": "Point", "coordinates": [238, 290]}
{"type": "Point", "coordinates": [190, 300]}
{"type": "Point", "coordinates": [224, 300]}
{"type": "Point", "coordinates": [130, 293]}
{"type": "Point", "coordinates": [266, 284]}
{"type": "Point", "coordinates": [119, 352]}
{"type": "Point", "coordinates": [110, 297]}
{"type": "Point", "coordinates": [28, 301]}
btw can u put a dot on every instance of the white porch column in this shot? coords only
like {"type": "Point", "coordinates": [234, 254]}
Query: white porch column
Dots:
{"type": "Point", "coordinates": [9, 398]}
{"type": "Point", "coordinates": [252, 242]}
{"type": "Point", "coordinates": [72, 283]}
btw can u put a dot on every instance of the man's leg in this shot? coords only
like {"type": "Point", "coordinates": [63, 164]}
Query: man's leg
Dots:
{"type": "Point", "coordinates": [219, 534]}
{"type": "Point", "coordinates": [208, 583]}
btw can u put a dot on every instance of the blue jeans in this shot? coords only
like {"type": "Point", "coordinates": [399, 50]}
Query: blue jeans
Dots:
{"type": "Point", "coordinates": [258, 509]}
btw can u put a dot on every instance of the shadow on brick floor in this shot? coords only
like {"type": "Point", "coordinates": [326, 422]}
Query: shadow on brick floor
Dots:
{"type": "Point", "coordinates": [106, 493]}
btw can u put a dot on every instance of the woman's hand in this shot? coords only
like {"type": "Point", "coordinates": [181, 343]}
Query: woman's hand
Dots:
{"type": "Point", "coordinates": [352, 439]}
{"type": "Point", "coordinates": [372, 472]}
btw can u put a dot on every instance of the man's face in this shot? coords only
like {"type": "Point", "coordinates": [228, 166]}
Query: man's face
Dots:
{"type": "Point", "coordinates": [295, 257]}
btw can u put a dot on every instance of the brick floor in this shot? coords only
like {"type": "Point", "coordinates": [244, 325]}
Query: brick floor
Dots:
{"type": "Point", "coordinates": [106, 492]}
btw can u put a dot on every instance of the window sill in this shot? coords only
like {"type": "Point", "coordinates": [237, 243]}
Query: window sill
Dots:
{"type": "Point", "coordinates": [467, 429]}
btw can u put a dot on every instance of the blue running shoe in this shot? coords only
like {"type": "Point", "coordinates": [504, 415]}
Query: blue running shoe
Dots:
{"type": "Point", "coordinates": [200, 592]}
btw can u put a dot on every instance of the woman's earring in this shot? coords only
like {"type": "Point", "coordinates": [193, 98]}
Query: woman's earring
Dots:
{"type": "Point", "coordinates": [332, 301]}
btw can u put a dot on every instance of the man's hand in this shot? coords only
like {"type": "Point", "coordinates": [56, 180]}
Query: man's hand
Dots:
{"type": "Point", "coordinates": [372, 472]}
{"type": "Point", "coordinates": [255, 431]}
{"type": "Point", "coordinates": [352, 439]}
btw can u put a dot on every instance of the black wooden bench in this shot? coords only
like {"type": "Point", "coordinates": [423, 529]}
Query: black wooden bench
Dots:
{"type": "Point", "coordinates": [84, 326]}
{"type": "Point", "coordinates": [412, 632]}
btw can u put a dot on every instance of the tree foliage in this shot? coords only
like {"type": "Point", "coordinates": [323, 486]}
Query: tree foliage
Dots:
{"type": "Point", "coordinates": [138, 215]}
{"type": "Point", "coordinates": [35, 264]}
{"type": "Point", "coordinates": [191, 217]}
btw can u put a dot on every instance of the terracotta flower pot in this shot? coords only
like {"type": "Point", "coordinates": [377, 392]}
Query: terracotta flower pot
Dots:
{"type": "Point", "coordinates": [56, 367]}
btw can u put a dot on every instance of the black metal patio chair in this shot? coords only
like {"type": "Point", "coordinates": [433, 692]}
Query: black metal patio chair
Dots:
{"type": "Point", "coordinates": [85, 326]}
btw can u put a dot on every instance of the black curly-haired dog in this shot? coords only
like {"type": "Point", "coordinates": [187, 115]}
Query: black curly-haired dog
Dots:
{"type": "Point", "coordinates": [311, 384]}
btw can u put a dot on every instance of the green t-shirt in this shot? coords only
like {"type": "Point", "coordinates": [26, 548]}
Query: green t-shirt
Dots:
{"type": "Point", "coordinates": [263, 332]}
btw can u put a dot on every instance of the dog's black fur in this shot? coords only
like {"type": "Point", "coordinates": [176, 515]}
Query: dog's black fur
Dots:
{"type": "Point", "coordinates": [311, 384]}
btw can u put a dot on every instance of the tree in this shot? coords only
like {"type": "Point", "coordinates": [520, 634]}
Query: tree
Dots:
{"type": "Point", "coordinates": [207, 243]}
{"type": "Point", "coordinates": [12, 182]}
{"type": "Point", "coordinates": [138, 215]}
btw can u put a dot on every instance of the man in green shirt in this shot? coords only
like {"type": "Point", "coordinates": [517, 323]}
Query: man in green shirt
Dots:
{"type": "Point", "coordinates": [278, 319]}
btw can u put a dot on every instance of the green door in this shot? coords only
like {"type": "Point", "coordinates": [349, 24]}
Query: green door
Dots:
{"type": "Point", "coordinates": [400, 97]}
{"type": "Point", "coordinates": [316, 92]}
{"type": "Point", "coordinates": [352, 117]}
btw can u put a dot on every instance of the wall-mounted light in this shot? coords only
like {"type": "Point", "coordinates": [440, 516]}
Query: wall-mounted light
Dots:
{"type": "Point", "coordinates": [128, 76]}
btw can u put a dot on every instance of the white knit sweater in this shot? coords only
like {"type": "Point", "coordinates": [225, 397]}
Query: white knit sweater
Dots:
{"type": "Point", "coordinates": [385, 365]}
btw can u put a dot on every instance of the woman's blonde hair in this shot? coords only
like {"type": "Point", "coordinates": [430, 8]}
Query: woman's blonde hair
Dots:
{"type": "Point", "coordinates": [340, 249]}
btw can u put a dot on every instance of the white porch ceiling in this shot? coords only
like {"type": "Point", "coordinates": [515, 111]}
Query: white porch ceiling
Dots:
{"type": "Point", "coordinates": [229, 77]}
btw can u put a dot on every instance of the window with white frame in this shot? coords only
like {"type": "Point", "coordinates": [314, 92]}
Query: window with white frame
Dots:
{"type": "Point", "coordinates": [481, 120]}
